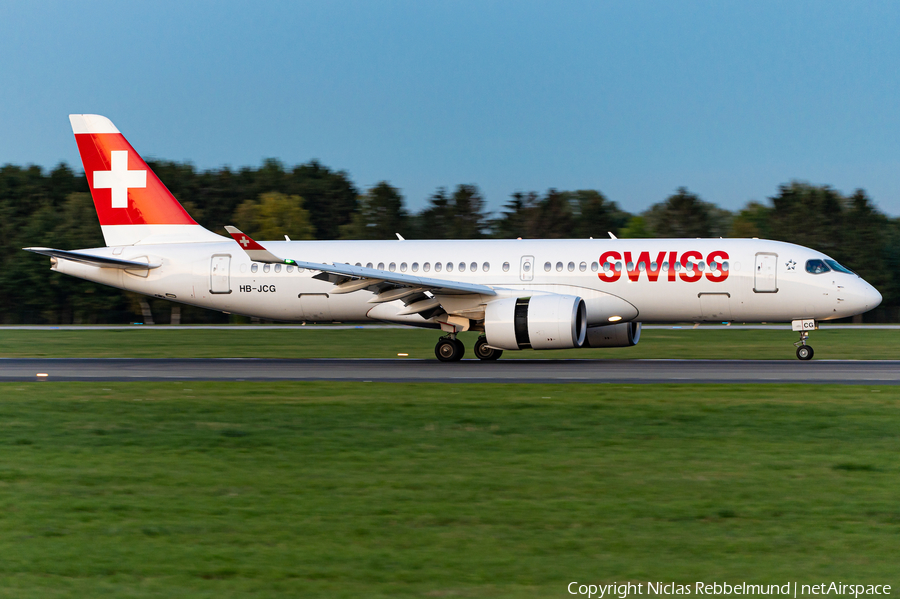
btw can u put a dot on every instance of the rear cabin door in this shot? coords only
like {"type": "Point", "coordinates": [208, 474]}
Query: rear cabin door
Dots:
{"type": "Point", "coordinates": [526, 270]}
{"type": "Point", "coordinates": [764, 280]}
{"type": "Point", "coordinates": [220, 274]}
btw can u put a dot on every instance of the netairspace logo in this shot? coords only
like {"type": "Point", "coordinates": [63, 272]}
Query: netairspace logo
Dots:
{"type": "Point", "coordinates": [791, 589]}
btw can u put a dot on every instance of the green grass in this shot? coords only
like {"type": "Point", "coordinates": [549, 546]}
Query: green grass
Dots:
{"type": "Point", "coordinates": [318, 342]}
{"type": "Point", "coordinates": [418, 490]}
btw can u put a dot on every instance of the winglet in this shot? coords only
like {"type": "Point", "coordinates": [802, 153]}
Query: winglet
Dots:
{"type": "Point", "coordinates": [256, 252]}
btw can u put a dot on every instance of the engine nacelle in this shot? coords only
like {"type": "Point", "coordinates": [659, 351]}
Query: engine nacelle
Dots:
{"type": "Point", "coordinates": [549, 321]}
{"type": "Point", "coordinates": [624, 334]}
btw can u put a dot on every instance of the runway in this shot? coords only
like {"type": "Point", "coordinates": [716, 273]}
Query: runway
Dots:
{"type": "Point", "coordinates": [817, 372]}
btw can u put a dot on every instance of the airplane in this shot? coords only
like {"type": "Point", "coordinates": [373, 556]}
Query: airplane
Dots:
{"type": "Point", "coordinates": [518, 293]}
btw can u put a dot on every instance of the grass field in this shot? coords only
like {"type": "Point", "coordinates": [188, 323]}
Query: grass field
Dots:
{"type": "Point", "coordinates": [319, 342]}
{"type": "Point", "coordinates": [426, 490]}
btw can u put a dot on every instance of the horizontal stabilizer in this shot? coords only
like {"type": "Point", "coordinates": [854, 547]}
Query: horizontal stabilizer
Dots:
{"type": "Point", "coordinates": [101, 261]}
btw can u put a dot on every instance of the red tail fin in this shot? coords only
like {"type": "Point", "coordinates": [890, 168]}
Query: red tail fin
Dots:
{"type": "Point", "coordinates": [132, 203]}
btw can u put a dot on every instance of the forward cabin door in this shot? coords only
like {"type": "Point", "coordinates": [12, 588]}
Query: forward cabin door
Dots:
{"type": "Point", "coordinates": [526, 269]}
{"type": "Point", "coordinates": [764, 280]}
{"type": "Point", "coordinates": [220, 274]}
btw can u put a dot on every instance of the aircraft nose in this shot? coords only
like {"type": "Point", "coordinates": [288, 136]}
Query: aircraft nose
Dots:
{"type": "Point", "coordinates": [873, 297]}
{"type": "Point", "coordinates": [868, 297]}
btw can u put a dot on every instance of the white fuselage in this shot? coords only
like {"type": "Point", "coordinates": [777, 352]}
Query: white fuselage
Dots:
{"type": "Point", "coordinates": [752, 280]}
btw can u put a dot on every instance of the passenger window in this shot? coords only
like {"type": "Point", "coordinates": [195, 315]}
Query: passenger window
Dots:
{"type": "Point", "coordinates": [701, 266]}
{"type": "Point", "coordinates": [595, 266]}
{"type": "Point", "coordinates": [369, 265]}
{"type": "Point", "coordinates": [725, 266]}
{"type": "Point", "coordinates": [358, 264]}
{"type": "Point", "coordinates": [816, 267]}
{"type": "Point", "coordinates": [381, 266]}
{"type": "Point", "coordinates": [473, 267]}
{"type": "Point", "coordinates": [426, 267]}
{"type": "Point", "coordinates": [462, 267]}
{"type": "Point", "coordinates": [415, 267]}
{"type": "Point", "coordinates": [289, 268]}
{"type": "Point", "coordinates": [392, 267]}
{"type": "Point", "coordinates": [437, 267]}
{"type": "Point", "coordinates": [403, 267]}
{"type": "Point", "coordinates": [266, 267]}
{"type": "Point", "coordinates": [582, 267]}
{"type": "Point", "coordinates": [571, 267]}
{"type": "Point", "coordinates": [630, 266]}
{"type": "Point", "coordinates": [486, 266]}
{"type": "Point", "coordinates": [506, 267]}
{"type": "Point", "coordinates": [642, 266]}
{"type": "Point", "coordinates": [665, 266]}
{"type": "Point", "coordinates": [559, 267]}
{"type": "Point", "coordinates": [449, 267]}
{"type": "Point", "coordinates": [254, 267]}
{"type": "Point", "coordinates": [277, 268]}
{"type": "Point", "coordinates": [301, 269]}
{"type": "Point", "coordinates": [547, 266]}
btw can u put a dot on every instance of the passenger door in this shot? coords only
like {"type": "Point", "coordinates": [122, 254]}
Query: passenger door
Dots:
{"type": "Point", "coordinates": [765, 276]}
{"type": "Point", "coordinates": [220, 274]}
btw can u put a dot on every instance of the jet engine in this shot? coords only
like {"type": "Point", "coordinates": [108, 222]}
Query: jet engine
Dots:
{"type": "Point", "coordinates": [551, 321]}
{"type": "Point", "coordinates": [623, 334]}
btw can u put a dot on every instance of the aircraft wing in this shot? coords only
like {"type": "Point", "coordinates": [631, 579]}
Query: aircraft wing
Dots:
{"type": "Point", "coordinates": [350, 278]}
{"type": "Point", "coordinates": [101, 261]}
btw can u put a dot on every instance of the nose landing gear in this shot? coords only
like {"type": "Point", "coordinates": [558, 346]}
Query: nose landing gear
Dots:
{"type": "Point", "coordinates": [449, 349]}
{"type": "Point", "coordinates": [804, 326]}
{"type": "Point", "coordinates": [804, 351]}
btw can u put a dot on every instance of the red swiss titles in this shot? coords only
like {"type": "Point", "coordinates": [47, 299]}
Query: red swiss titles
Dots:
{"type": "Point", "coordinates": [689, 272]}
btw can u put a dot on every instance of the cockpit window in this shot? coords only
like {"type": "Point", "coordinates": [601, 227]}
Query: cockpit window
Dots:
{"type": "Point", "coordinates": [835, 266]}
{"type": "Point", "coordinates": [816, 267]}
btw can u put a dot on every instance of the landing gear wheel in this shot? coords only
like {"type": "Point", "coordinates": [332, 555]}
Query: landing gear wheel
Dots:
{"type": "Point", "coordinates": [483, 352]}
{"type": "Point", "coordinates": [449, 350]}
{"type": "Point", "coordinates": [805, 352]}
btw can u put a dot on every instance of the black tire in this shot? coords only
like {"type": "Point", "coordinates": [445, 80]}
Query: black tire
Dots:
{"type": "Point", "coordinates": [449, 350]}
{"type": "Point", "coordinates": [805, 352]}
{"type": "Point", "coordinates": [460, 348]}
{"type": "Point", "coordinates": [483, 352]}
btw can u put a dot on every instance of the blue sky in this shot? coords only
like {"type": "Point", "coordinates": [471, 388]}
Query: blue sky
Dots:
{"type": "Point", "coordinates": [632, 98]}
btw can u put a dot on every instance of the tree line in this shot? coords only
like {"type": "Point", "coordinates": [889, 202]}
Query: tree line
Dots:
{"type": "Point", "coordinates": [311, 201]}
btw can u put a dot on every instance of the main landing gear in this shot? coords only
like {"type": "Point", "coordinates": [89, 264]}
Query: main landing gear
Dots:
{"type": "Point", "coordinates": [804, 351]}
{"type": "Point", "coordinates": [485, 352]}
{"type": "Point", "coordinates": [449, 349]}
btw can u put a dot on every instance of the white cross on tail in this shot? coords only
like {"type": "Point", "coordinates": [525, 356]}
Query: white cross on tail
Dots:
{"type": "Point", "coordinates": [119, 179]}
